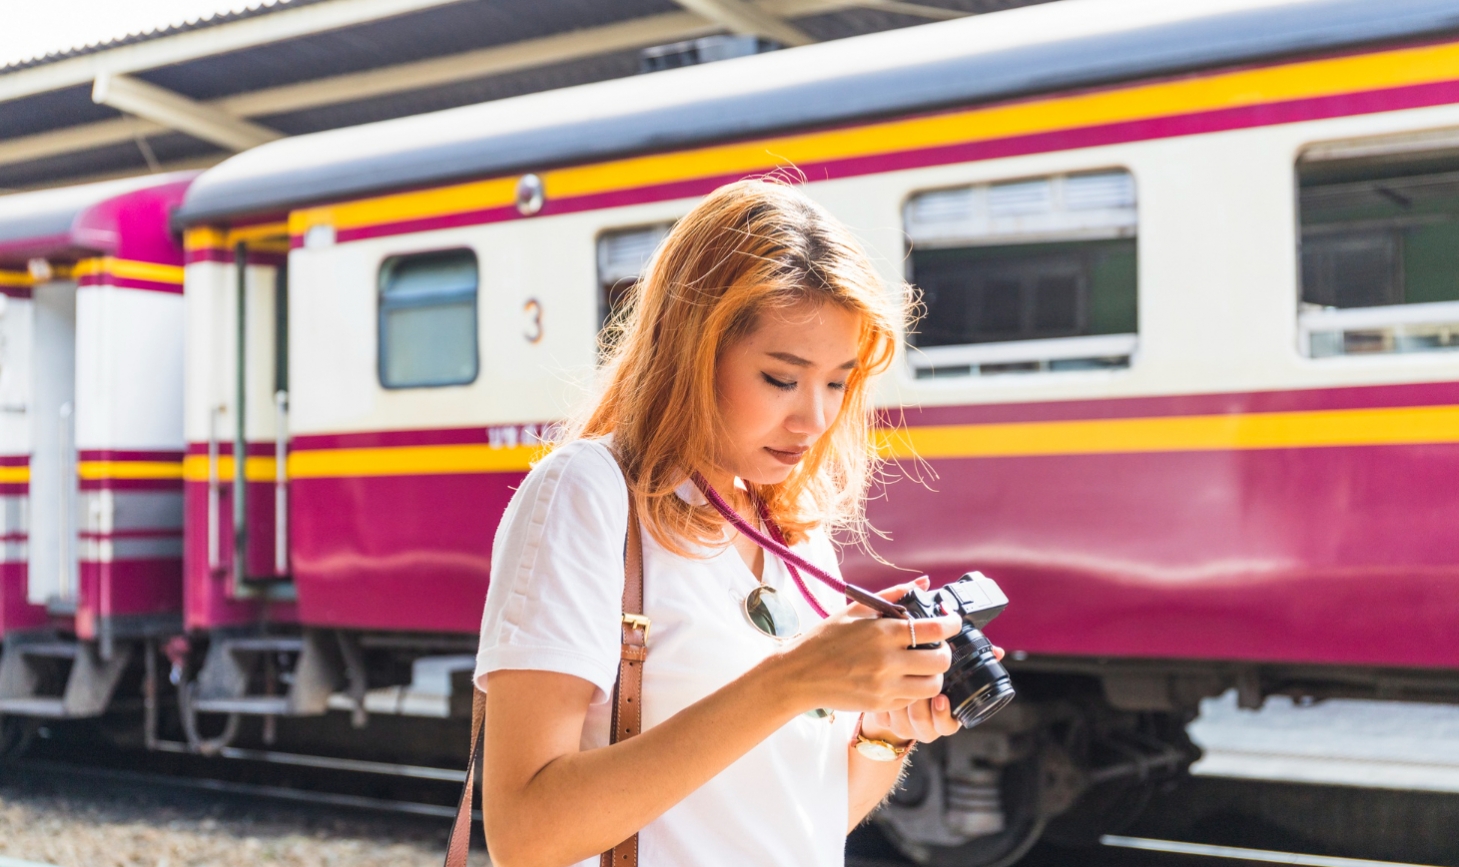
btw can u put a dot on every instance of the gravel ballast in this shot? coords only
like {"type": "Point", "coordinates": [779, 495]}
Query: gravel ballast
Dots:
{"type": "Point", "coordinates": [88, 823]}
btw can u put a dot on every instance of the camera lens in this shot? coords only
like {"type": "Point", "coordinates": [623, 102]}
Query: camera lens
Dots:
{"type": "Point", "coordinates": [976, 684]}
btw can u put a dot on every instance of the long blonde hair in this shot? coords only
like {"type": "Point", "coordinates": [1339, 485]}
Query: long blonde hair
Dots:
{"type": "Point", "coordinates": [749, 247]}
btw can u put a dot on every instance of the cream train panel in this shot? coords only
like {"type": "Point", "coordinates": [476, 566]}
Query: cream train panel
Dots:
{"type": "Point", "coordinates": [17, 318]}
{"type": "Point", "coordinates": [129, 369]}
{"type": "Point", "coordinates": [211, 350]}
{"type": "Point", "coordinates": [1217, 264]}
{"type": "Point", "coordinates": [335, 380]}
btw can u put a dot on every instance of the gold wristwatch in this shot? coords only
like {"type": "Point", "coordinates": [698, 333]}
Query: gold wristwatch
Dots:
{"type": "Point", "coordinates": [879, 750]}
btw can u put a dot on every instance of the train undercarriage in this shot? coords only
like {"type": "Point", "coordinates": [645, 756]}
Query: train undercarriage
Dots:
{"type": "Point", "coordinates": [1080, 753]}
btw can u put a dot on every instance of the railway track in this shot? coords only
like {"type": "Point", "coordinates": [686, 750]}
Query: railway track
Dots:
{"type": "Point", "coordinates": [1177, 834]}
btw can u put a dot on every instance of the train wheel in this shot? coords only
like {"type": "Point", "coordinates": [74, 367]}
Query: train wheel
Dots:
{"type": "Point", "coordinates": [963, 814]}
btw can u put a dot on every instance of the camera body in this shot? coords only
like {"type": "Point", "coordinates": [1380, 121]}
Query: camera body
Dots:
{"type": "Point", "coordinates": [976, 684]}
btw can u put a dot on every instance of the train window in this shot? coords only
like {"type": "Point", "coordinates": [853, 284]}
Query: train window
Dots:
{"type": "Point", "coordinates": [428, 319]}
{"type": "Point", "coordinates": [1027, 276]}
{"type": "Point", "coordinates": [622, 256]}
{"type": "Point", "coordinates": [1379, 254]}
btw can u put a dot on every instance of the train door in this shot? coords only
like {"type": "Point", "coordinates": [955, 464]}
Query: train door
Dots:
{"type": "Point", "coordinates": [253, 416]}
{"type": "Point", "coordinates": [53, 486]}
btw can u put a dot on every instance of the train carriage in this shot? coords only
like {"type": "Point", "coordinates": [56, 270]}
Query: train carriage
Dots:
{"type": "Point", "coordinates": [1186, 383]}
{"type": "Point", "coordinates": [90, 440]}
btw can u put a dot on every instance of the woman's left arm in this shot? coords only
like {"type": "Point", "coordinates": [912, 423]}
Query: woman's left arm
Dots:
{"type": "Point", "coordinates": [870, 781]}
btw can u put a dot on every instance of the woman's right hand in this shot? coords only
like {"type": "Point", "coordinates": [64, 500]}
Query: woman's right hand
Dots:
{"type": "Point", "coordinates": [855, 660]}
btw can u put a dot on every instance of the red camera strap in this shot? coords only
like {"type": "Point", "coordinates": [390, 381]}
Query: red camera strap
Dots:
{"type": "Point", "coordinates": [791, 559]}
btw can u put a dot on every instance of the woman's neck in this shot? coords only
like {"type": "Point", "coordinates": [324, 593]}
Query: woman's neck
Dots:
{"type": "Point", "coordinates": [726, 484]}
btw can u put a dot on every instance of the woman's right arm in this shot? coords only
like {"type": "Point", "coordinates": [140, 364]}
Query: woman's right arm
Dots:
{"type": "Point", "coordinates": [548, 803]}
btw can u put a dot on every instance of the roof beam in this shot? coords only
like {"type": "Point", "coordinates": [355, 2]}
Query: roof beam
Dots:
{"type": "Point", "coordinates": [749, 19]}
{"type": "Point", "coordinates": [920, 10]}
{"type": "Point", "coordinates": [543, 51]}
{"type": "Point", "coordinates": [205, 42]}
{"type": "Point", "coordinates": [174, 111]}
{"type": "Point", "coordinates": [558, 48]}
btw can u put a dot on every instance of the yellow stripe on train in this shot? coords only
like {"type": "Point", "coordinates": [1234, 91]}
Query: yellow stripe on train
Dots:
{"type": "Point", "coordinates": [130, 269]}
{"type": "Point", "coordinates": [100, 470]}
{"type": "Point", "coordinates": [1230, 90]}
{"type": "Point", "coordinates": [14, 475]}
{"type": "Point", "coordinates": [1387, 426]}
{"type": "Point", "coordinates": [1229, 432]}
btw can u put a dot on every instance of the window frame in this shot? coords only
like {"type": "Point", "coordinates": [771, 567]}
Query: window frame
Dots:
{"type": "Point", "coordinates": [1322, 332]}
{"type": "Point", "coordinates": [383, 306]}
{"type": "Point", "coordinates": [962, 363]}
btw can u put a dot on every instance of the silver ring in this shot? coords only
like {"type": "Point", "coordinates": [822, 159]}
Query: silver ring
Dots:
{"type": "Point", "coordinates": [912, 627]}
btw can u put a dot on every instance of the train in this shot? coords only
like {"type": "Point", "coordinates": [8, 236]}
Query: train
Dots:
{"type": "Point", "coordinates": [1185, 384]}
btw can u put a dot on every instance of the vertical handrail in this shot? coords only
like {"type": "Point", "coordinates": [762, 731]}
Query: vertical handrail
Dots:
{"type": "Point", "coordinates": [63, 567]}
{"type": "Point", "coordinates": [214, 492]}
{"type": "Point", "coordinates": [240, 435]}
{"type": "Point", "coordinates": [281, 483]}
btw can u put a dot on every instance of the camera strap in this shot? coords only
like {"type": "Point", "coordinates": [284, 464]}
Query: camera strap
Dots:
{"type": "Point", "coordinates": [627, 701]}
{"type": "Point", "coordinates": [793, 560]}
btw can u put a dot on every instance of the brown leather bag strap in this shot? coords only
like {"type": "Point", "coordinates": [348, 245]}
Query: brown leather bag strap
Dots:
{"type": "Point", "coordinates": [628, 692]}
{"type": "Point", "coordinates": [627, 702]}
{"type": "Point", "coordinates": [460, 841]}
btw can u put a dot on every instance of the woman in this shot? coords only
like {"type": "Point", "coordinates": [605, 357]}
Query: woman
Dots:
{"type": "Point", "coordinates": [740, 370]}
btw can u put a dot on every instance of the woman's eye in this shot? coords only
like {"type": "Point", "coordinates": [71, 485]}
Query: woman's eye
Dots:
{"type": "Point", "coordinates": [783, 386]}
{"type": "Point", "coordinates": [839, 386]}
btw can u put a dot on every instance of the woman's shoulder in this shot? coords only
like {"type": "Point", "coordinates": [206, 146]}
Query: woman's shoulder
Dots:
{"type": "Point", "coordinates": [582, 470]}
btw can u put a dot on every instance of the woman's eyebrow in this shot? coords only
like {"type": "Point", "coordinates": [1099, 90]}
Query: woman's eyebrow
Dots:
{"type": "Point", "coordinates": [797, 361]}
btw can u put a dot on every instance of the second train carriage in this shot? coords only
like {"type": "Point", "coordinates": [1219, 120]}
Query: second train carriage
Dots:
{"type": "Point", "coordinates": [90, 441]}
{"type": "Point", "coordinates": [1185, 385]}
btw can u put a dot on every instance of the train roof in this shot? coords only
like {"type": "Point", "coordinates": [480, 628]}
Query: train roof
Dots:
{"type": "Point", "coordinates": [41, 222]}
{"type": "Point", "coordinates": [1000, 55]}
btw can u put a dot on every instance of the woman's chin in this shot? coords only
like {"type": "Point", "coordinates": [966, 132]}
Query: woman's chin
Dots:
{"type": "Point", "coordinates": [772, 473]}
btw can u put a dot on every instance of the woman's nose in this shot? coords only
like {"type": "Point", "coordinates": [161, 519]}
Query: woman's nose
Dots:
{"type": "Point", "coordinates": [811, 416]}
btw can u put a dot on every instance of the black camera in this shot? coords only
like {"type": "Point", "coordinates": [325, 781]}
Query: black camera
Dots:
{"type": "Point", "coordinates": [976, 684]}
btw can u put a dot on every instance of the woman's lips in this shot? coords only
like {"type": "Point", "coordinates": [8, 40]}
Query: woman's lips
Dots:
{"type": "Point", "coordinates": [787, 457]}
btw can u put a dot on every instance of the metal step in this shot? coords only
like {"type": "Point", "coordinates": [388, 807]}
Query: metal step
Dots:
{"type": "Point", "coordinates": [265, 644]}
{"type": "Point", "coordinates": [254, 705]}
{"type": "Point", "coordinates": [51, 708]}
{"type": "Point", "coordinates": [49, 649]}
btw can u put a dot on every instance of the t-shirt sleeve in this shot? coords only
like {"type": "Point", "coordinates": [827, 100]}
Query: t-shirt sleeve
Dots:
{"type": "Point", "coordinates": [556, 594]}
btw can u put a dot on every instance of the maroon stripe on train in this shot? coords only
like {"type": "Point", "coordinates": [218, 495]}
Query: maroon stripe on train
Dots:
{"type": "Point", "coordinates": [129, 283]}
{"type": "Point", "coordinates": [1145, 129]}
{"type": "Point", "coordinates": [227, 257]}
{"type": "Point", "coordinates": [14, 460]}
{"type": "Point", "coordinates": [440, 436]}
{"type": "Point", "coordinates": [130, 484]}
{"type": "Point", "coordinates": [225, 449]}
{"type": "Point", "coordinates": [15, 611]}
{"type": "Point", "coordinates": [122, 455]}
{"type": "Point", "coordinates": [16, 291]}
{"type": "Point", "coordinates": [126, 587]}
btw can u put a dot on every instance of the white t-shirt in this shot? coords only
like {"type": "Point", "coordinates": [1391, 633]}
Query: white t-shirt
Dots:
{"type": "Point", "coordinates": [555, 603]}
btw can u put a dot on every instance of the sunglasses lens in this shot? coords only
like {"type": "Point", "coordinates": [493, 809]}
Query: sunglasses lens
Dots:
{"type": "Point", "coordinates": [771, 614]}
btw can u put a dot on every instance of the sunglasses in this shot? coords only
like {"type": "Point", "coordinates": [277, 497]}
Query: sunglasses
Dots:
{"type": "Point", "coordinates": [771, 614]}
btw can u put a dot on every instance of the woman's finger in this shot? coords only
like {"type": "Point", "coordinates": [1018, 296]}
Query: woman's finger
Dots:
{"type": "Point", "coordinates": [997, 652]}
{"type": "Point", "coordinates": [920, 714]}
{"type": "Point", "coordinates": [942, 717]}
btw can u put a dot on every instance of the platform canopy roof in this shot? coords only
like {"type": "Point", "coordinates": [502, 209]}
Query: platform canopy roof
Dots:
{"type": "Point", "coordinates": [189, 95]}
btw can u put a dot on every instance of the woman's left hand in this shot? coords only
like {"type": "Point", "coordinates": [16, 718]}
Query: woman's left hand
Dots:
{"type": "Point", "coordinates": [922, 721]}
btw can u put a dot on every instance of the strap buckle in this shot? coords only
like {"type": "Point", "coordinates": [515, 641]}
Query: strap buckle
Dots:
{"type": "Point", "coordinates": [638, 621]}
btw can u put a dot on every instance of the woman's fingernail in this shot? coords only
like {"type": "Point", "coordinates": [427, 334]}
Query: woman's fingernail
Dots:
{"type": "Point", "coordinates": [940, 702]}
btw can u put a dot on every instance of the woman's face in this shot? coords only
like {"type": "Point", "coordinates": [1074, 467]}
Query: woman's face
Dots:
{"type": "Point", "coordinates": [781, 386]}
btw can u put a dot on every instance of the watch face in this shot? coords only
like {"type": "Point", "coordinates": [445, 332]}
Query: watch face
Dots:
{"type": "Point", "coordinates": [877, 751]}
